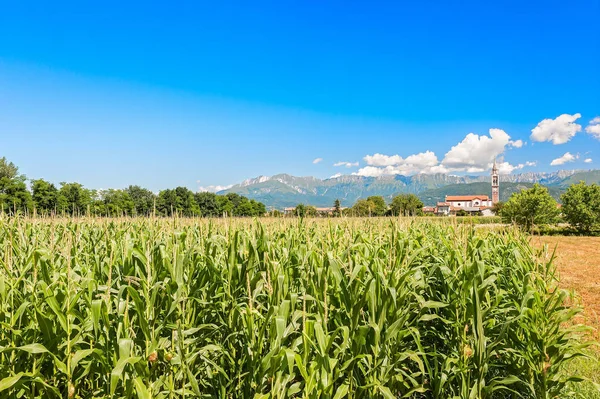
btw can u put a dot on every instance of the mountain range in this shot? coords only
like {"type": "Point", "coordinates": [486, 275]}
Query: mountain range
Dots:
{"type": "Point", "coordinates": [284, 190]}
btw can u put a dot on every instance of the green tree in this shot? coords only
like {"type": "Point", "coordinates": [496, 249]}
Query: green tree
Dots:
{"type": "Point", "coordinates": [74, 199]}
{"type": "Point", "coordinates": [362, 207]}
{"type": "Point", "coordinates": [259, 208]}
{"type": "Point", "coordinates": [143, 200]}
{"type": "Point", "coordinates": [311, 211]}
{"type": "Point", "coordinates": [225, 205]}
{"type": "Point", "coordinates": [208, 204]}
{"type": "Point", "coordinates": [379, 207]}
{"type": "Point", "coordinates": [14, 196]}
{"type": "Point", "coordinates": [497, 208]}
{"type": "Point", "coordinates": [45, 196]}
{"type": "Point", "coordinates": [10, 171]}
{"type": "Point", "coordinates": [531, 207]}
{"type": "Point", "coordinates": [179, 201]}
{"type": "Point", "coordinates": [275, 213]}
{"type": "Point", "coordinates": [406, 205]}
{"type": "Point", "coordinates": [581, 206]}
{"type": "Point", "coordinates": [337, 208]}
{"type": "Point", "coordinates": [117, 203]}
{"type": "Point", "coordinates": [300, 210]}
{"type": "Point", "coordinates": [305, 211]}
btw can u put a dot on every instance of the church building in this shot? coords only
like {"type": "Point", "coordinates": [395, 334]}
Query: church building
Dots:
{"type": "Point", "coordinates": [473, 204]}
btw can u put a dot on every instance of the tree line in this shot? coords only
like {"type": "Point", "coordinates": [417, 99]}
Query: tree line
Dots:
{"type": "Point", "coordinates": [401, 205]}
{"type": "Point", "coordinates": [73, 199]}
{"type": "Point", "coordinates": [580, 208]}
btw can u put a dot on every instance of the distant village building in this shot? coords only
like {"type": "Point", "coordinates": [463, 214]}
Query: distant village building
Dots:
{"type": "Point", "coordinates": [472, 204]}
{"type": "Point", "coordinates": [429, 210]}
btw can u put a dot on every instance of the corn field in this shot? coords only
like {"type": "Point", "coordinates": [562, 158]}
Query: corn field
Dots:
{"type": "Point", "coordinates": [356, 308]}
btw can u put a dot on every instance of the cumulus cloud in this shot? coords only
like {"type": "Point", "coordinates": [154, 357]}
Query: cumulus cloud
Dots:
{"type": "Point", "coordinates": [317, 160]}
{"type": "Point", "coordinates": [346, 164]}
{"type": "Point", "coordinates": [379, 164]}
{"type": "Point", "coordinates": [336, 176]}
{"type": "Point", "coordinates": [505, 168]}
{"type": "Point", "coordinates": [516, 143]}
{"type": "Point", "coordinates": [568, 157]}
{"type": "Point", "coordinates": [558, 131]}
{"type": "Point", "coordinates": [213, 189]}
{"type": "Point", "coordinates": [594, 127]}
{"type": "Point", "coordinates": [383, 160]}
{"type": "Point", "coordinates": [588, 160]}
{"type": "Point", "coordinates": [475, 153]}
{"type": "Point", "coordinates": [531, 163]}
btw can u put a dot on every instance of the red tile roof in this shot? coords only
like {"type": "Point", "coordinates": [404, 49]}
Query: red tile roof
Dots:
{"type": "Point", "coordinates": [466, 197]}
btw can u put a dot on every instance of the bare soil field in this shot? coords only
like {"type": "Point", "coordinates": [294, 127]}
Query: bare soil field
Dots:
{"type": "Point", "coordinates": [578, 262]}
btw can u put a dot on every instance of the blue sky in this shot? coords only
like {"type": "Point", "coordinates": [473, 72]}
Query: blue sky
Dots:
{"type": "Point", "coordinates": [211, 93]}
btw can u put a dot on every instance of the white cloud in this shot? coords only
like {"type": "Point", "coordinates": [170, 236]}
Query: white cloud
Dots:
{"type": "Point", "coordinates": [213, 189]}
{"type": "Point", "coordinates": [346, 164]}
{"type": "Point", "coordinates": [317, 160]}
{"type": "Point", "coordinates": [558, 131]}
{"type": "Point", "coordinates": [383, 160]}
{"type": "Point", "coordinates": [568, 157]}
{"type": "Point", "coordinates": [516, 143]}
{"type": "Point", "coordinates": [594, 127]}
{"type": "Point", "coordinates": [475, 153]}
{"type": "Point", "coordinates": [588, 160]}
{"type": "Point", "coordinates": [505, 168]}
{"type": "Point", "coordinates": [379, 165]}
{"type": "Point", "coordinates": [336, 176]}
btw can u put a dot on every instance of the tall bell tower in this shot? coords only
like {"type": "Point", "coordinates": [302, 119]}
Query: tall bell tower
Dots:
{"type": "Point", "coordinates": [495, 184]}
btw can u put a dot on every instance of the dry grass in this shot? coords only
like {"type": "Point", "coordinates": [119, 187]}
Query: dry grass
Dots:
{"type": "Point", "coordinates": [578, 261]}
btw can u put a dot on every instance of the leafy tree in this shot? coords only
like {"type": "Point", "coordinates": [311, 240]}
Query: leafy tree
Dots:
{"type": "Point", "coordinates": [531, 207]}
{"type": "Point", "coordinates": [362, 207]}
{"type": "Point", "coordinates": [14, 196]}
{"type": "Point", "coordinates": [178, 201]}
{"type": "Point", "coordinates": [337, 208]}
{"type": "Point", "coordinates": [117, 203]}
{"type": "Point", "coordinates": [143, 199]}
{"type": "Point", "coordinates": [208, 204]}
{"type": "Point", "coordinates": [189, 207]}
{"type": "Point", "coordinates": [311, 211]}
{"type": "Point", "coordinates": [406, 205]}
{"type": "Point", "coordinates": [10, 171]}
{"type": "Point", "coordinates": [300, 210]}
{"type": "Point", "coordinates": [275, 213]}
{"type": "Point", "coordinates": [259, 208]}
{"type": "Point", "coordinates": [581, 206]}
{"type": "Point", "coordinates": [45, 196]}
{"type": "Point", "coordinates": [497, 208]}
{"type": "Point", "coordinates": [379, 207]}
{"type": "Point", "coordinates": [73, 198]}
{"type": "Point", "coordinates": [225, 205]}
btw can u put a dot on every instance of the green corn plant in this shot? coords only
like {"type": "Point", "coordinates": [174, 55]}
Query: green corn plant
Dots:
{"type": "Point", "coordinates": [236, 308]}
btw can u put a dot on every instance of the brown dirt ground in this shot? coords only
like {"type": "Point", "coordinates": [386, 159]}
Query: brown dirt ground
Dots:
{"type": "Point", "coordinates": [578, 263]}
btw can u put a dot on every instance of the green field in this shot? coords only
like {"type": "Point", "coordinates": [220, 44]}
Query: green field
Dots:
{"type": "Point", "coordinates": [236, 308]}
